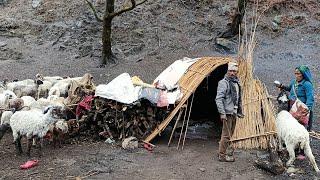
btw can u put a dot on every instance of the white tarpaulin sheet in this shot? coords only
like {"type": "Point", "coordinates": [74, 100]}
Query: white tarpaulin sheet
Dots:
{"type": "Point", "coordinates": [169, 78]}
{"type": "Point", "coordinates": [120, 89]}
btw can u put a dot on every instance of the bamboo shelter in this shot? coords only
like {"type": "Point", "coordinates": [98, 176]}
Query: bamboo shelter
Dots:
{"type": "Point", "coordinates": [188, 83]}
{"type": "Point", "coordinates": [259, 122]}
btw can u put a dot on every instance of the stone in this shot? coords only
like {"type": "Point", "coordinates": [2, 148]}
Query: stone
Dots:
{"type": "Point", "coordinates": [262, 154]}
{"type": "Point", "coordinates": [138, 32]}
{"type": "Point", "coordinates": [79, 24]}
{"type": "Point", "coordinates": [293, 170]}
{"type": "Point", "coordinates": [2, 44]}
{"type": "Point", "coordinates": [109, 141]}
{"type": "Point", "coordinates": [226, 43]}
{"type": "Point", "coordinates": [77, 56]}
{"type": "Point", "coordinates": [130, 143]}
{"type": "Point", "coordinates": [225, 10]}
{"type": "Point", "coordinates": [277, 19]}
{"type": "Point", "coordinates": [202, 169]}
{"type": "Point", "coordinates": [36, 3]}
{"type": "Point", "coordinates": [275, 27]}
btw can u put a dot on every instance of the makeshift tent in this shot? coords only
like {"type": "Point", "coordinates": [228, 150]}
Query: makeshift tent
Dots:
{"type": "Point", "coordinates": [259, 123]}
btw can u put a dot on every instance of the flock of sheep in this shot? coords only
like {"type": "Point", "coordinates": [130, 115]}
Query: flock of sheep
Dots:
{"type": "Point", "coordinates": [32, 108]}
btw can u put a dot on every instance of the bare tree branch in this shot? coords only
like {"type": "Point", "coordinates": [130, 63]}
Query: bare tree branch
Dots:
{"type": "Point", "coordinates": [94, 11]}
{"type": "Point", "coordinates": [133, 5]}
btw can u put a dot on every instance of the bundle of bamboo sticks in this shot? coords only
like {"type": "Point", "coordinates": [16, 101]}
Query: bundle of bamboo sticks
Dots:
{"type": "Point", "coordinates": [258, 125]}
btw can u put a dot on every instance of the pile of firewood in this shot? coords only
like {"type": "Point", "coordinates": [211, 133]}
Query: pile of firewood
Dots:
{"type": "Point", "coordinates": [110, 118]}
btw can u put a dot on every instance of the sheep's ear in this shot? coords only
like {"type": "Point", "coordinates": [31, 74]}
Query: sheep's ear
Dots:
{"type": "Point", "coordinates": [47, 109]}
{"type": "Point", "coordinates": [38, 81]}
{"type": "Point", "coordinates": [5, 81]}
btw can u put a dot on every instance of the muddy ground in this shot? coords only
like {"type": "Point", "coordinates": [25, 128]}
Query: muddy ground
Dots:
{"type": "Point", "coordinates": [62, 38]}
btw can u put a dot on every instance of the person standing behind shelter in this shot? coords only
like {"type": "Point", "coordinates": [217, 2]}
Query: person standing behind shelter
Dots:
{"type": "Point", "coordinates": [229, 106]}
{"type": "Point", "coordinates": [303, 87]}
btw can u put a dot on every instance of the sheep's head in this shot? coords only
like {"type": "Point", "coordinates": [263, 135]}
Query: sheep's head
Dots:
{"type": "Point", "coordinates": [55, 111]}
{"type": "Point", "coordinates": [283, 101]}
{"type": "Point", "coordinates": [62, 126]}
{"type": "Point", "coordinates": [282, 98]}
{"type": "Point", "coordinates": [38, 81]}
{"type": "Point", "coordinates": [16, 103]}
{"type": "Point", "coordinates": [39, 76]}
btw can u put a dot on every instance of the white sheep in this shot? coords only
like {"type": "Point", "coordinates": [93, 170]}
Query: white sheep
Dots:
{"type": "Point", "coordinates": [62, 125]}
{"type": "Point", "coordinates": [28, 100]}
{"type": "Point", "coordinates": [43, 89]}
{"type": "Point", "coordinates": [4, 98]}
{"type": "Point", "coordinates": [58, 131]}
{"type": "Point", "coordinates": [32, 124]}
{"type": "Point", "coordinates": [26, 87]}
{"type": "Point", "coordinates": [52, 79]}
{"type": "Point", "coordinates": [26, 90]}
{"type": "Point", "coordinates": [294, 136]}
{"type": "Point", "coordinates": [12, 85]}
{"type": "Point", "coordinates": [54, 90]}
{"type": "Point", "coordinates": [11, 93]}
{"type": "Point", "coordinates": [61, 88]}
{"type": "Point", "coordinates": [51, 100]}
{"type": "Point", "coordinates": [5, 117]}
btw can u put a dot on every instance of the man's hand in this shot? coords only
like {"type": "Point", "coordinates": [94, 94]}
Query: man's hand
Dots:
{"type": "Point", "coordinates": [223, 117]}
{"type": "Point", "coordinates": [240, 116]}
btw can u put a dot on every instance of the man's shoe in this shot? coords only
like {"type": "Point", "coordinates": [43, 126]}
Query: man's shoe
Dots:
{"type": "Point", "coordinates": [226, 159]}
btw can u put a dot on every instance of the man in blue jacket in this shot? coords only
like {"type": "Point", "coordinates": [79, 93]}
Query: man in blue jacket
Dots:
{"type": "Point", "coordinates": [229, 105]}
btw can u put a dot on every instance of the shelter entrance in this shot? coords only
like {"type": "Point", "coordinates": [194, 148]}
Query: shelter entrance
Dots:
{"type": "Point", "coordinates": [204, 118]}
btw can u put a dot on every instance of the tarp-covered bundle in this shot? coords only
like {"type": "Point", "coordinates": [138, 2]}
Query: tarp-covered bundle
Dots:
{"type": "Point", "coordinates": [162, 92]}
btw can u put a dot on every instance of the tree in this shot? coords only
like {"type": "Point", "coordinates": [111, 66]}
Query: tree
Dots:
{"type": "Point", "coordinates": [233, 28]}
{"type": "Point", "coordinates": [109, 14]}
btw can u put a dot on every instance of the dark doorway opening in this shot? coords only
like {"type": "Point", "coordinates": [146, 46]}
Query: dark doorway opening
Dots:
{"type": "Point", "coordinates": [205, 119]}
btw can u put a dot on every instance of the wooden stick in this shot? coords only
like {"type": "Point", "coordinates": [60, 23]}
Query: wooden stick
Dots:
{"type": "Point", "coordinates": [184, 119]}
{"type": "Point", "coordinates": [314, 134]}
{"type": "Point", "coordinates": [185, 133]}
{"type": "Point", "coordinates": [72, 105]}
{"type": "Point", "coordinates": [175, 126]}
{"type": "Point", "coordinates": [316, 137]}
{"type": "Point", "coordinates": [253, 136]}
